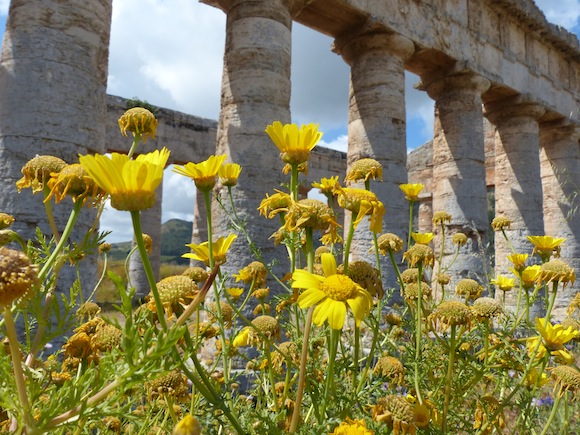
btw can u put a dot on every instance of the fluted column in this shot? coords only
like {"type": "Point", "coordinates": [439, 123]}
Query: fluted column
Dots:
{"type": "Point", "coordinates": [459, 186]}
{"type": "Point", "coordinates": [518, 186]}
{"type": "Point", "coordinates": [377, 127]}
{"type": "Point", "coordinates": [560, 168]}
{"type": "Point", "coordinates": [255, 92]}
{"type": "Point", "coordinates": [53, 76]}
{"type": "Point", "coordinates": [150, 225]}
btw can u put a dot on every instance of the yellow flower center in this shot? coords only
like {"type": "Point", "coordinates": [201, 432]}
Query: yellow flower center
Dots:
{"type": "Point", "coordinates": [339, 287]}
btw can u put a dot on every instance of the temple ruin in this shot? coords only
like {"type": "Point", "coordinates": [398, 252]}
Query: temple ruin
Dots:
{"type": "Point", "coordinates": [494, 60]}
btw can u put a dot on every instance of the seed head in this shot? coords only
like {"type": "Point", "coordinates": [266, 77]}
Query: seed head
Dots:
{"type": "Point", "coordinates": [17, 276]}
{"type": "Point", "coordinates": [36, 172]}
{"type": "Point", "coordinates": [138, 120]}
{"type": "Point", "coordinates": [389, 242]}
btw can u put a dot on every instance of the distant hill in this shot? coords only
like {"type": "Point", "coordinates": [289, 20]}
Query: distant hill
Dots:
{"type": "Point", "coordinates": [175, 233]}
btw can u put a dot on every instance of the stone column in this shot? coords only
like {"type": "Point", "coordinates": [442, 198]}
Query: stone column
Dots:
{"type": "Point", "coordinates": [518, 186]}
{"type": "Point", "coordinates": [150, 225]}
{"type": "Point", "coordinates": [53, 76]}
{"type": "Point", "coordinates": [377, 128]}
{"type": "Point", "coordinates": [459, 186]}
{"type": "Point", "coordinates": [560, 168]}
{"type": "Point", "coordinates": [255, 92]}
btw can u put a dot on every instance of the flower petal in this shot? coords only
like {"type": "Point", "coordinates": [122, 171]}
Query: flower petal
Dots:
{"type": "Point", "coordinates": [310, 297]}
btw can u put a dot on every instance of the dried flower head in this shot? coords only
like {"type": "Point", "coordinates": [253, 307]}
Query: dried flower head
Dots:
{"type": "Point", "coordinates": [88, 310]}
{"type": "Point", "coordinates": [364, 169]}
{"type": "Point", "coordinates": [443, 278]}
{"type": "Point", "coordinates": [36, 172]}
{"type": "Point", "coordinates": [459, 239]}
{"type": "Point", "coordinates": [469, 288]}
{"type": "Point", "coordinates": [574, 304]}
{"type": "Point", "coordinates": [264, 326]}
{"type": "Point", "coordinates": [255, 272]}
{"type": "Point", "coordinates": [173, 383]}
{"type": "Point", "coordinates": [389, 242]}
{"type": "Point", "coordinates": [440, 217]}
{"type": "Point", "coordinates": [486, 407]}
{"type": "Point", "coordinates": [419, 254]}
{"type": "Point", "coordinates": [227, 312]}
{"type": "Point", "coordinates": [106, 338]}
{"type": "Point", "coordinates": [5, 220]}
{"type": "Point", "coordinates": [450, 313]}
{"type": "Point", "coordinates": [391, 368]}
{"type": "Point", "coordinates": [196, 274]}
{"type": "Point", "coordinates": [557, 271]}
{"type": "Point", "coordinates": [367, 276]}
{"type": "Point", "coordinates": [411, 275]}
{"type": "Point", "coordinates": [261, 293]}
{"type": "Point", "coordinates": [566, 378]}
{"type": "Point", "coordinates": [393, 319]}
{"type": "Point", "coordinates": [75, 182]}
{"type": "Point", "coordinates": [486, 308]}
{"type": "Point", "coordinates": [362, 203]}
{"type": "Point", "coordinates": [175, 292]}
{"type": "Point", "coordinates": [104, 248]}
{"type": "Point", "coordinates": [17, 276]}
{"type": "Point", "coordinates": [500, 223]}
{"type": "Point", "coordinates": [397, 413]}
{"type": "Point", "coordinates": [138, 121]}
{"type": "Point", "coordinates": [312, 213]}
{"type": "Point", "coordinates": [288, 352]}
{"type": "Point", "coordinates": [411, 293]}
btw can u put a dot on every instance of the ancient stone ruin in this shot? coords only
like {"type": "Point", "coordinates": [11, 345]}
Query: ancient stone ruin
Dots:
{"type": "Point", "coordinates": [498, 60]}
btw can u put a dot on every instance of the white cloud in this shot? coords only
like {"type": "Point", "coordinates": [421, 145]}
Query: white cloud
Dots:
{"type": "Point", "coordinates": [4, 6]}
{"type": "Point", "coordinates": [340, 143]}
{"type": "Point", "coordinates": [562, 12]}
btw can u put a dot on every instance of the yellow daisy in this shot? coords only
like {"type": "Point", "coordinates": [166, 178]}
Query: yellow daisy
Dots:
{"type": "Point", "coordinates": [331, 294]}
{"type": "Point", "coordinates": [552, 338]}
{"type": "Point", "coordinates": [204, 174]}
{"type": "Point", "coordinates": [294, 143]}
{"type": "Point", "coordinates": [422, 238]}
{"type": "Point", "coordinates": [518, 260]}
{"type": "Point", "coordinates": [130, 183]}
{"type": "Point", "coordinates": [229, 174]}
{"type": "Point", "coordinates": [362, 203]}
{"type": "Point", "coordinates": [274, 204]}
{"type": "Point", "coordinates": [544, 246]}
{"type": "Point", "coordinates": [412, 191]}
{"type": "Point", "coordinates": [352, 427]}
{"type": "Point", "coordinates": [219, 249]}
{"type": "Point", "coordinates": [326, 185]}
{"type": "Point", "coordinates": [504, 283]}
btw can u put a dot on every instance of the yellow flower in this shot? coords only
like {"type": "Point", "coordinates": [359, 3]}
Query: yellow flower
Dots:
{"type": "Point", "coordinates": [256, 270]}
{"type": "Point", "coordinates": [138, 120]}
{"type": "Point", "coordinates": [529, 275]}
{"type": "Point", "coordinates": [326, 185]}
{"type": "Point", "coordinates": [412, 191]}
{"type": "Point", "coordinates": [204, 174]}
{"type": "Point", "coordinates": [552, 338]}
{"type": "Point", "coordinates": [504, 283]}
{"type": "Point", "coordinates": [422, 238]}
{"type": "Point", "coordinates": [187, 426]}
{"type": "Point", "coordinates": [536, 379]}
{"type": "Point", "coordinates": [229, 174]}
{"type": "Point", "coordinates": [274, 204]}
{"type": "Point", "coordinates": [235, 292]}
{"type": "Point", "coordinates": [518, 260]}
{"type": "Point", "coordinates": [331, 294]}
{"type": "Point", "coordinates": [130, 183]}
{"type": "Point", "coordinates": [294, 144]}
{"type": "Point", "coordinates": [544, 246]}
{"type": "Point", "coordinates": [219, 249]}
{"type": "Point", "coordinates": [352, 427]}
{"type": "Point", "coordinates": [364, 169]}
{"type": "Point", "coordinates": [363, 203]}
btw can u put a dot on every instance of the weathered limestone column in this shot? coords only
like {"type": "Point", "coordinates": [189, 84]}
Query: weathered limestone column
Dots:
{"type": "Point", "coordinates": [518, 186]}
{"type": "Point", "coordinates": [459, 186]}
{"type": "Point", "coordinates": [560, 168]}
{"type": "Point", "coordinates": [150, 225]}
{"type": "Point", "coordinates": [377, 128]}
{"type": "Point", "coordinates": [255, 92]}
{"type": "Point", "coordinates": [53, 76]}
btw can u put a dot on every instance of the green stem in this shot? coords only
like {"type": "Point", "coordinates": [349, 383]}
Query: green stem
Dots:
{"type": "Point", "coordinates": [355, 355]}
{"type": "Point", "coordinates": [50, 214]}
{"type": "Point", "coordinates": [136, 139]}
{"type": "Point", "coordinates": [441, 254]}
{"type": "Point", "coordinates": [135, 217]}
{"type": "Point", "coordinates": [449, 379]}
{"type": "Point", "coordinates": [552, 299]}
{"type": "Point", "coordinates": [348, 242]}
{"type": "Point", "coordinates": [17, 367]}
{"type": "Point", "coordinates": [398, 272]}
{"type": "Point", "coordinates": [329, 385]}
{"type": "Point", "coordinates": [552, 415]}
{"type": "Point", "coordinates": [302, 374]}
{"type": "Point", "coordinates": [61, 243]}
{"type": "Point", "coordinates": [410, 223]}
{"type": "Point", "coordinates": [418, 335]}
{"type": "Point", "coordinates": [271, 375]}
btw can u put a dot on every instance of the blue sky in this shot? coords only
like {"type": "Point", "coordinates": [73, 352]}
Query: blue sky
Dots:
{"type": "Point", "coordinates": [169, 52]}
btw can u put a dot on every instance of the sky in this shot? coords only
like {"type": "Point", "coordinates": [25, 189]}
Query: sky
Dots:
{"type": "Point", "coordinates": [170, 53]}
